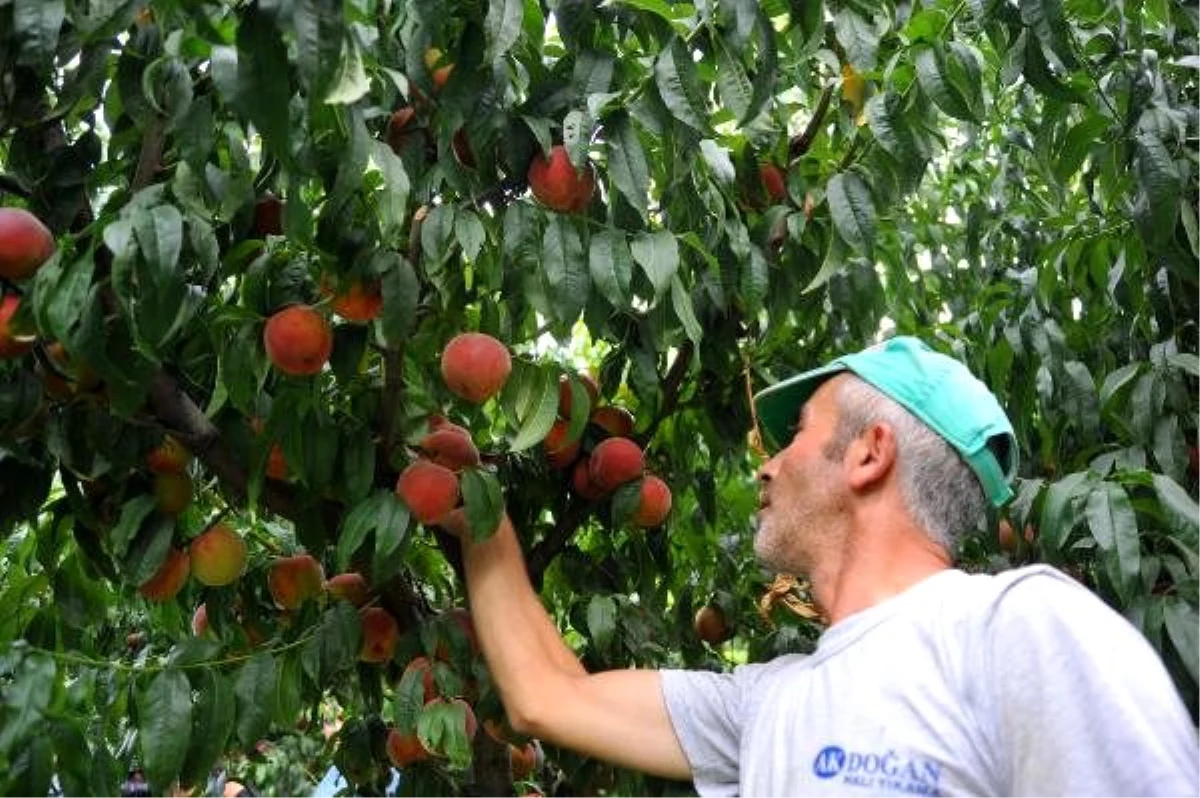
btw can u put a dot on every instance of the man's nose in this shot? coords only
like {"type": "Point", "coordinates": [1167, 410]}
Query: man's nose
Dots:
{"type": "Point", "coordinates": [766, 471]}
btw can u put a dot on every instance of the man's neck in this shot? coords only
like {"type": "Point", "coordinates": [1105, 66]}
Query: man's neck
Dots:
{"type": "Point", "coordinates": [880, 559]}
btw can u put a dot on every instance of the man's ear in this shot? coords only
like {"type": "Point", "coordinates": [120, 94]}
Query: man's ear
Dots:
{"type": "Point", "coordinates": [871, 457]}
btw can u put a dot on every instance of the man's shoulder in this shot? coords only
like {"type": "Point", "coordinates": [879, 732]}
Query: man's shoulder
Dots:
{"type": "Point", "coordinates": [977, 599]}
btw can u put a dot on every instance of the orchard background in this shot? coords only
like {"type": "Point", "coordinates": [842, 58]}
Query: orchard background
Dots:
{"type": "Point", "coordinates": [770, 184]}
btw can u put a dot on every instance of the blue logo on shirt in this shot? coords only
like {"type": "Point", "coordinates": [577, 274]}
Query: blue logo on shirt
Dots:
{"type": "Point", "coordinates": [890, 771]}
{"type": "Point", "coordinates": [829, 762]}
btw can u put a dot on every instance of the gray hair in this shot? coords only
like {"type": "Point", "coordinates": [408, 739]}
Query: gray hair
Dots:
{"type": "Point", "coordinates": [940, 489]}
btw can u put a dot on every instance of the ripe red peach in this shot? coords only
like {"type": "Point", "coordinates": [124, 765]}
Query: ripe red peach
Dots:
{"type": "Point", "coordinates": [293, 580]}
{"type": "Point", "coordinates": [379, 635]}
{"type": "Point", "coordinates": [298, 340]}
{"type": "Point", "coordinates": [218, 556]}
{"type": "Point", "coordinates": [356, 300]}
{"type": "Point", "coordinates": [12, 345]}
{"type": "Point", "coordinates": [169, 579]}
{"type": "Point", "coordinates": [561, 451]}
{"type": "Point", "coordinates": [173, 492]}
{"type": "Point", "coordinates": [773, 181]}
{"type": "Point", "coordinates": [654, 502]}
{"type": "Point", "coordinates": [169, 457]}
{"type": "Point", "coordinates": [430, 490]}
{"type": "Point", "coordinates": [581, 480]}
{"type": "Point", "coordinates": [404, 749]}
{"type": "Point", "coordinates": [614, 462]}
{"type": "Point", "coordinates": [25, 243]}
{"type": "Point", "coordinates": [475, 366]}
{"type": "Point", "coordinates": [565, 393]}
{"type": "Point", "coordinates": [557, 184]}
{"type": "Point", "coordinates": [450, 446]}
{"type": "Point", "coordinates": [616, 421]}
{"type": "Point", "coordinates": [350, 586]}
{"type": "Point", "coordinates": [268, 216]}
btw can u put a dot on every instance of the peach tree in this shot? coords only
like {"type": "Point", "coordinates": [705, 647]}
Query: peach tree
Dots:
{"type": "Point", "coordinates": [286, 281]}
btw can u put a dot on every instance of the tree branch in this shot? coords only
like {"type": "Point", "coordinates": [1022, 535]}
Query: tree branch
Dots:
{"type": "Point", "coordinates": [544, 552]}
{"type": "Point", "coordinates": [671, 385]}
{"type": "Point", "coordinates": [150, 157]}
{"type": "Point", "coordinates": [800, 144]}
{"type": "Point", "coordinates": [176, 410]}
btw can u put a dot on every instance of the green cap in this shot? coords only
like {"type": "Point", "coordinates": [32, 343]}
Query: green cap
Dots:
{"type": "Point", "coordinates": [933, 387]}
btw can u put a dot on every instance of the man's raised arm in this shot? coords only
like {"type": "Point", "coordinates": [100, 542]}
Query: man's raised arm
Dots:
{"type": "Point", "coordinates": [619, 716]}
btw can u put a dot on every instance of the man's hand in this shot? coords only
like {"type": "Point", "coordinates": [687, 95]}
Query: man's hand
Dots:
{"type": "Point", "coordinates": [619, 716]}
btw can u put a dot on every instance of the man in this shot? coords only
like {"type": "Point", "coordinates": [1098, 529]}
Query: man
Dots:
{"type": "Point", "coordinates": [927, 681]}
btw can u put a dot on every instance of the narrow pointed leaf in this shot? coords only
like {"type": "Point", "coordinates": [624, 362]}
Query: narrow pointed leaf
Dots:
{"type": "Point", "coordinates": [853, 210]}
{"type": "Point", "coordinates": [164, 726]}
{"type": "Point", "coordinates": [611, 267]}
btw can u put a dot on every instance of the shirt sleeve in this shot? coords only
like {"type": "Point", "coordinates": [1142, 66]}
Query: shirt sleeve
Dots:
{"type": "Point", "coordinates": [706, 710]}
{"type": "Point", "coordinates": [1085, 705]}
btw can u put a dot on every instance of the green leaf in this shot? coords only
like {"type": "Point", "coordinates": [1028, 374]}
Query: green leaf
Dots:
{"type": "Point", "coordinates": [1182, 622]}
{"type": "Point", "coordinates": [164, 726]}
{"type": "Point", "coordinates": [625, 502]}
{"type": "Point", "coordinates": [611, 267]}
{"type": "Point", "coordinates": [469, 232]}
{"type": "Point", "coordinates": [319, 31]}
{"type": "Point", "coordinates": [1116, 380]}
{"type": "Point", "coordinates": [853, 211]}
{"type": "Point", "coordinates": [133, 513]}
{"type": "Point", "coordinates": [1060, 512]}
{"type": "Point", "coordinates": [25, 698]}
{"type": "Point", "coordinates": [1157, 206]}
{"type": "Point", "coordinates": [1181, 510]}
{"type": "Point", "coordinates": [833, 263]}
{"type": "Point", "coordinates": [149, 550]}
{"type": "Point", "coordinates": [382, 510]}
{"type": "Point", "coordinates": [255, 691]}
{"type": "Point", "coordinates": [933, 75]}
{"type": "Point", "coordinates": [658, 255]}
{"type": "Point", "coordinates": [893, 132]}
{"type": "Point", "coordinates": [859, 37]}
{"type": "Point", "coordinates": [333, 648]}
{"type": "Point", "coordinates": [502, 28]}
{"type": "Point", "coordinates": [350, 82]}
{"type": "Point", "coordinates": [357, 458]}
{"type": "Point", "coordinates": [566, 268]}
{"type": "Point", "coordinates": [442, 729]}
{"type": "Point", "coordinates": [168, 88]}
{"type": "Point", "coordinates": [288, 698]}
{"type": "Point", "coordinates": [401, 293]}
{"type": "Point", "coordinates": [1050, 24]}
{"type": "Point", "coordinates": [734, 86]}
{"type": "Point", "coordinates": [681, 302]}
{"type": "Point", "coordinates": [627, 165]}
{"type": "Point", "coordinates": [1185, 361]}
{"type": "Point", "coordinates": [602, 619]}
{"type": "Point", "coordinates": [678, 85]}
{"type": "Point", "coordinates": [1114, 525]}
{"type": "Point", "coordinates": [1079, 142]}
{"type": "Point", "coordinates": [60, 290]}
{"type": "Point", "coordinates": [536, 404]}
{"type": "Point", "coordinates": [212, 723]}
{"type": "Point", "coordinates": [393, 195]}
{"type": "Point", "coordinates": [484, 500]}
{"type": "Point", "coordinates": [263, 87]}
{"type": "Point", "coordinates": [1170, 447]}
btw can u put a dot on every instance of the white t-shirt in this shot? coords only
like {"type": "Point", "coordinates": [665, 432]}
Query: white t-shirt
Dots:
{"type": "Point", "coordinates": [1023, 683]}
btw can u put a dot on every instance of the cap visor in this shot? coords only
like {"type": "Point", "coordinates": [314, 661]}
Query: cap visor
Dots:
{"type": "Point", "coordinates": [778, 407]}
